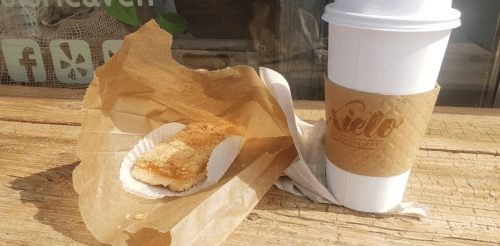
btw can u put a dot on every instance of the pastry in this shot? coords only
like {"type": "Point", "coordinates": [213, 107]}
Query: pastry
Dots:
{"type": "Point", "coordinates": [181, 162]}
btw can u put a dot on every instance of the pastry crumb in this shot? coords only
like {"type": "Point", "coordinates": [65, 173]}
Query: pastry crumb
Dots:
{"type": "Point", "coordinates": [141, 216]}
{"type": "Point", "coordinates": [252, 217]}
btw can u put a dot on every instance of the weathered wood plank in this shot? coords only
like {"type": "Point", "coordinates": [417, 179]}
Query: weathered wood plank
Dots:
{"type": "Point", "coordinates": [41, 92]}
{"type": "Point", "coordinates": [463, 210]}
{"type": "Point", "coordinates": [36, 212]}
{"type": "Point", "coordinates": [461, 189]}
{"type": "Point", "coordinates": [467, 111]}
{"type": "Point", "coordinates": [41, 110]}
{"type": "Point", "coordinates": [39, 206]}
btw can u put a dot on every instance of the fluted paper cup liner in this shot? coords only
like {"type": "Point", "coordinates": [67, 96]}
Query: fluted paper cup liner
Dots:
{"type": "Point", "coordinates": [220, 160]}
{"type": "Point", "coordinates": [371, 143]}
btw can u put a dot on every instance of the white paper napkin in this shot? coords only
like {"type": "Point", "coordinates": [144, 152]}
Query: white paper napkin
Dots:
{"type": "Point", "coordinates": [306, 175]}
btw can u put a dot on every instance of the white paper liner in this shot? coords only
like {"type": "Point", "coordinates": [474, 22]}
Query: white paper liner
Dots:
{"type": "Point", "coordinates": [220, 160]}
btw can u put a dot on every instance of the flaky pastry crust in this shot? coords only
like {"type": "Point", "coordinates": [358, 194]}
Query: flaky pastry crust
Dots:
{"type": "Point", "coordinates": [181, 162]}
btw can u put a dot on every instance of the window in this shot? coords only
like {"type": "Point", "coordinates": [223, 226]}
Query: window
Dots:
{"type": "Point", "coordinates": [288, 36]}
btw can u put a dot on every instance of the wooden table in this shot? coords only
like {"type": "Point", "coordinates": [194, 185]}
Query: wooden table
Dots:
{"type": "Point", "coordinates": [456, 174]}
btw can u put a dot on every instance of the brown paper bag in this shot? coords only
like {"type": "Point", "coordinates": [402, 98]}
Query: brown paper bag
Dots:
{"type": "Point", "coordinates": [142, 88]}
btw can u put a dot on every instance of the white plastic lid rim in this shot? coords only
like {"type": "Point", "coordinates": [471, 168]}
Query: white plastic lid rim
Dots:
{"type": "Point", "coordinates": [394, 15]}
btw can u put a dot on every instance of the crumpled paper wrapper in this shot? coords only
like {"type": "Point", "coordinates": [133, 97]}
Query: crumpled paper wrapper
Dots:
{"type": "Point", "coordinates": [306, 176]}
{"type": "Point", "coordinates": [142, 88]}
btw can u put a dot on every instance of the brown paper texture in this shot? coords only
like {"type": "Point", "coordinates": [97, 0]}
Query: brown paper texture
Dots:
{"type": "Point", "coordinates": [142, 88]}
{"type": "Point", "coordinates": [373, 134]}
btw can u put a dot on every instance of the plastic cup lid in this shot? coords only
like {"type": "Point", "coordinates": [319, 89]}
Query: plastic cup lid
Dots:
{"type": "Point", "coordinates": [394, 15]}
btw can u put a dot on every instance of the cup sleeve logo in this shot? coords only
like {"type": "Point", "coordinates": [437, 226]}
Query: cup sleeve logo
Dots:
{"type": "Point", "coordinates": [75, 67]}
{"type": "Point", "coordinates": [354, 125]}
{"type": "Point", "coordinates": [20, 60]}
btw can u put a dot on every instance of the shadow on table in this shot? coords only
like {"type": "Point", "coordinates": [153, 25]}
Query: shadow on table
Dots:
{"type": "Point", "coordinates": [282, 200]}
{"type": "Point", "coordinates": [52, 192]}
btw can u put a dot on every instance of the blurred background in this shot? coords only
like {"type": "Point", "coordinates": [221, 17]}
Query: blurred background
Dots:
{"type": "Point", "coordinates": [285, 35]}
{"type": "Point", "coordinates": [290, 37]}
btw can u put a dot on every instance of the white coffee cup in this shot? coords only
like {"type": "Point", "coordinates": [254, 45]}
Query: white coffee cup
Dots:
{"type": "Point", "coordinates": [391, 47]}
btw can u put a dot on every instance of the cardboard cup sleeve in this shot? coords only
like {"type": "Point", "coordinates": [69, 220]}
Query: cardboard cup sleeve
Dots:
{"type": "Point", "coordinates": [375, 135]}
